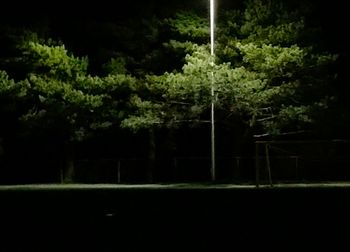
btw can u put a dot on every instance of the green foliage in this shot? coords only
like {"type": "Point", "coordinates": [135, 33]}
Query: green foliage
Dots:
{"type": "Point", "coordinates": [187, 47]}
{"type": "Point", "coordinates": [272, 60]}
{"type": "Point", "coordinates": [190, 26]}
{"type": "Point", "coordinates": [173, 98]}
{"type": "Point", "coordinates": [11, 89]}
{"type": "Point", "coordinates": [65, 98]}
{"type": "Point", "coordinates": [146, 116]}
{"type": "Point", "coordinates": [6, 85]}
{"type": "Point", "coordinates": [55, 61]}
{"type": "Point", "coordinates": [270, 22]}
{"type": "Point", "coordinates": [51, 91]}
{"type": "Point", "coordinates": [264, 73]}
{"type": "Point", "coordinates": [116, 66]}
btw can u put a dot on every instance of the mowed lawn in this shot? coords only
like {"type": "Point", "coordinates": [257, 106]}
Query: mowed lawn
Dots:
{"type": "Point", "coordinates": [173, 217]}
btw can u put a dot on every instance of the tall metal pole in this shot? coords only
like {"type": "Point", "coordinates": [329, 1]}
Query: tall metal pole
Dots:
{"type": "Point", "coordinates": [212, 120]}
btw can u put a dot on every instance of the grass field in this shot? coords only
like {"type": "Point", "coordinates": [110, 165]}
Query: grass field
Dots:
{"type": "Point", "coordinates": [173, 217]}
{"type": "Point", "coordinates": [177, 186]}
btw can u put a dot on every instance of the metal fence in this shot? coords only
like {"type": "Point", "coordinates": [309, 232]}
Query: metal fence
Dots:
{"type": "Point", "coordinates": [177, 169]}
{"type": "Point", "coordinates": [274, 161]}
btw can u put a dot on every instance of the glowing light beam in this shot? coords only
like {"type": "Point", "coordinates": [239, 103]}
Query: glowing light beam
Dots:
{"type": "Point", "coordinates": [212, 116]}
{"type": "Point", "coordinates": [212, 26]}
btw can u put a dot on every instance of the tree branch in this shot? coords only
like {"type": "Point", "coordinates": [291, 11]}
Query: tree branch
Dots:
{"type": "Point", "coordinates": [281, 134]}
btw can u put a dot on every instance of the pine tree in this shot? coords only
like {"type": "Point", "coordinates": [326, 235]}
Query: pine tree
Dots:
{"type": "Point", "coordinates": [66, 101]}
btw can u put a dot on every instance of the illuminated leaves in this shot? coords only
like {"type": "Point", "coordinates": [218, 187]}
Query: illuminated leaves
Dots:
{"type": "Point", "coordinates": [263, 74]}
{"type": "Point", "coordinates": [64, 97]}
{"type": "Point", "coordinates": [272, 59]}
{"type": "Point", "coordinates": [6, 85]}
{"type": "Point", "coordinates": [55, 61]}
{"type": "Point", "coordinates": [190, 26]}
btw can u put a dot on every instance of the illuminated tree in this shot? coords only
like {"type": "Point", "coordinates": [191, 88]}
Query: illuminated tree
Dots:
{"type": "Point", "coordinates": [68, 102]}
{"type": "Point", "coordinates": [267, 73]}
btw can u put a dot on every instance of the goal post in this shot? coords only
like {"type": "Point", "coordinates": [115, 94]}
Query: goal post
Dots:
{"type": "Point", "coordinates": [320, 159]}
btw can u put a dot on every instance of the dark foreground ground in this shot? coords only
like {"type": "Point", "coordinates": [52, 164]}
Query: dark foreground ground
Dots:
{"type": "Point", "coordinates": [183, 217]}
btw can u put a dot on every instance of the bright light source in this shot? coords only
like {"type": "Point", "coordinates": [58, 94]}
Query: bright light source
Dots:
{"type": "Point", "coordinates": [212, 26]}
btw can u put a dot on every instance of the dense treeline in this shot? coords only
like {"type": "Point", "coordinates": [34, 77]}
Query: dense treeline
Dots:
{"type": "Point", "coordinates": [138, 84]}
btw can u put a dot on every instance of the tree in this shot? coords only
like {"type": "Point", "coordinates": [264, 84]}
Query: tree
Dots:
{"type": "Point", "coordinates": [68, 102]}
{"type": "Point", "coordinates": [11, 94]}
{"type": "Point", "coordinates": [268, 76]}
{"type": "Point", "coordinates": [284, 78]}
{"type": "Point", "coordinates": [266, 72]}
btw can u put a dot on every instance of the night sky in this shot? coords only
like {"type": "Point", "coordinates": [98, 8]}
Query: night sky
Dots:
{"type": "Point", "coordinates": [69, 15]}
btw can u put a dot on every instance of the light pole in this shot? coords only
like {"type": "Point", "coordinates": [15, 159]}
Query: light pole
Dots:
{"type": "Point", "coordinates": [212, 114]}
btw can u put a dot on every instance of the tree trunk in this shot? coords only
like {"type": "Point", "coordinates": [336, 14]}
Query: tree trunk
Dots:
{"type": "Point", "coordinates": [2, 154]}
{"type": "Point", "coordinates": [68, 166]}
{"type": "Point", "coordinates": [170, 154]}
{"type": "Point", "coordinates": [151, 156]}
{"type": "Point", "coordinates": [241, 147]}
